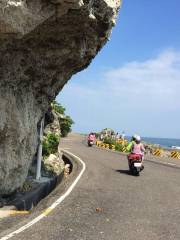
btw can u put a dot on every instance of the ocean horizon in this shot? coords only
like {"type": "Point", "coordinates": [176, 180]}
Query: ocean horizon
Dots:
{"type": "Point", "coordinates": [163, 142]}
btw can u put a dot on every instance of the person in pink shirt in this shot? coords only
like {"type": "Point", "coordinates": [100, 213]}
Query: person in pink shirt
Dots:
{"type": "Point", "coordinates": [138, 147]}
{"type": "Point", "coordinates": [91, 137]}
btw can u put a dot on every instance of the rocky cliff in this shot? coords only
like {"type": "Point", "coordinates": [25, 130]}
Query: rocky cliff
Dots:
{"type": "Point", "coordinates": [42, 44]}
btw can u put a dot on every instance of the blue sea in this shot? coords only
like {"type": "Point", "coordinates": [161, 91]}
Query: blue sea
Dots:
{"type": "Point", "coordinates": [163, 142]}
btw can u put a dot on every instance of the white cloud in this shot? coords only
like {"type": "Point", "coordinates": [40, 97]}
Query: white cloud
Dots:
{"type": "Point", "coordinates": [147, 89]}
{"type": "Point", "coordinates": [154, 82]}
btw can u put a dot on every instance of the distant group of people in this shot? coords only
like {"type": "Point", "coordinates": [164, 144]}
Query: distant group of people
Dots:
{"type": "Point", "coordinates": [112, 135]}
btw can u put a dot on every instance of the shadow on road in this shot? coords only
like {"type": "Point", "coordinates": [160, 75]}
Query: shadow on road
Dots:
{"type": "Point", "coordinates": [127, 172]}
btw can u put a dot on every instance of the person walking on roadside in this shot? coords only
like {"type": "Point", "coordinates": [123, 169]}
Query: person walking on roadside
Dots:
{"type": "Point", "coordinates": [123, 135]}
{"type": "Point", "coordinates": [117, 136]}
{"type": "Point", "coordinates": [101, 137]}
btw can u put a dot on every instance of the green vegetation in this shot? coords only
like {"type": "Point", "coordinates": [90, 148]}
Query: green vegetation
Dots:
{"type": "Point", "coordinates": [109, 141]}
{"type": "Point", "coordinates": [51, 140]}
{"type": "Point", "coordinates": [66, 121]}
{"type": "Point", "coordinates": [57, 107]}
{"type": "Point", "coordinates": [66, 126]}
{"type": "Point", "coordinates": [118, 146]}
{"type": "Point", "coordinates": [50, 144]}
{"type": "Point", "coordinates": [97, 135]}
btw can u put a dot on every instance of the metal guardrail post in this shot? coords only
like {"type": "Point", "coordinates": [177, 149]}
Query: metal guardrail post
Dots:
{"type": "Point", "coordinates": [39, 156]}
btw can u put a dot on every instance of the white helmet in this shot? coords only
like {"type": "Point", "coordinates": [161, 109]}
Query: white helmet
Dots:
{"type": "Point", "coordinates": [134, 136]}
{"type": "Point", "coordinates": [138, 138]}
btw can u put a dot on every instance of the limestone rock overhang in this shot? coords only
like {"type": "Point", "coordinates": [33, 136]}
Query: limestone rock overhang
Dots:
{"type": "Point", "coordinates": [42, 44]}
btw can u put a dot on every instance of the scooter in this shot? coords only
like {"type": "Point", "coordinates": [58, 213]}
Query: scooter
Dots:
{"type": "Point", "coordinates": [90, 143]}
{"type": "Point", "coordinates": [135, 164]}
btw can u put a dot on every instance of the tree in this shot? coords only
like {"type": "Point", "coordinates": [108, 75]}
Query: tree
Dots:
{"type": "Point", "coordinates": [50, 144]}
{"type": "Point", "coordinates": [66, 126]}
{"type": "Point", "coordinates": [57, 107]}
{"type": "Point", "coordinates": [65, 122]}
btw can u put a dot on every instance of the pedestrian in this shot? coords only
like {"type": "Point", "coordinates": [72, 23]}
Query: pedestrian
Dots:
{"type": "Point", "coordinates": [117, 136]}
{"type": "Point", "coordinates": [123, 135]}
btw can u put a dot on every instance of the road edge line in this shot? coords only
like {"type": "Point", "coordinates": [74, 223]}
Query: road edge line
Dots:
{"type": "Point", "coordinates": [53, 205]}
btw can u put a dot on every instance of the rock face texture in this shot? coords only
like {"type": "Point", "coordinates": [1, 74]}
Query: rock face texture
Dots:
{"type": "Point", "coordinates": [52, 122]}
{"type": "Point", "coordinates": [42, 44]}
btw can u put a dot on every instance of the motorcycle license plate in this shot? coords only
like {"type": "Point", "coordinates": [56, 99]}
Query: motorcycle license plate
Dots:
{"type": "Point", "coordinates": [137, 164]}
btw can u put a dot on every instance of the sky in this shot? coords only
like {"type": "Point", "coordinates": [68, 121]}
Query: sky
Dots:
{"type": "Point", "coordinates": [133, 84]}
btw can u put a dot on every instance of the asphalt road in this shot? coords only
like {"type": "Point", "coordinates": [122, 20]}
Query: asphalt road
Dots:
{"type": "Point", "coordinates": [110, 204]}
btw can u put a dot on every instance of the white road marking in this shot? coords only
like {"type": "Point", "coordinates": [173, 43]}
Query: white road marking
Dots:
{"type": "Point", "coordinates": [53, 206]}
{"type": "Point", "coordinates": [172, 164]}
{"type": "Point", "coordinates": [163, 163]}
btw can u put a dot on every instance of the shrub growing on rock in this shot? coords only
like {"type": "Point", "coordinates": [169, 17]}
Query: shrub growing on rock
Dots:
{"type": "Point", "coordinates": [50, 144]}
{"type": "Point", "coordinates": [66, 126]}
{"type": "Point", "coordinates": [109, 141]}
{"type": "Point", "coordinates": [118, 146]}
{"type": "Point", "coordinates": [57, 107]}
{"type": "Point", "coordinates": [65, 121]}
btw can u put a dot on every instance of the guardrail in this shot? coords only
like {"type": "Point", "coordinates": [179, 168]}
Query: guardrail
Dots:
{"type": "Point", "coordinates": [158, 152]}
{"type": "Point", "coordinates": [175, 154]}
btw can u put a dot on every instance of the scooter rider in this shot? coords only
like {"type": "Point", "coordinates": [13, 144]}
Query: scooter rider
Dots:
{"type": "Point", "coordinates": [129, 146]}
{"type": "Point", "coordinates": [91, 137]}
{"type": "Point", "coordinates": [137, 148]}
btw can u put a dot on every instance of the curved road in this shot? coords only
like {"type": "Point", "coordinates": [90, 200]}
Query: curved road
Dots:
{"type": "Point", "coordinates": [110, 204]}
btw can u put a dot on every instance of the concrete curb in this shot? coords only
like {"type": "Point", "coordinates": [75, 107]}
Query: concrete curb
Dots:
{"type": "Point", "coordinates": [6, 211]}
{"type": "Point", "coordinates": [69, 158]}
{"type": "Point", "coordinates": [57, 202]}
{"type": "Point", "coordinates": [26, 201]}
{"type": "Point", "coordinates": [30, 199]}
